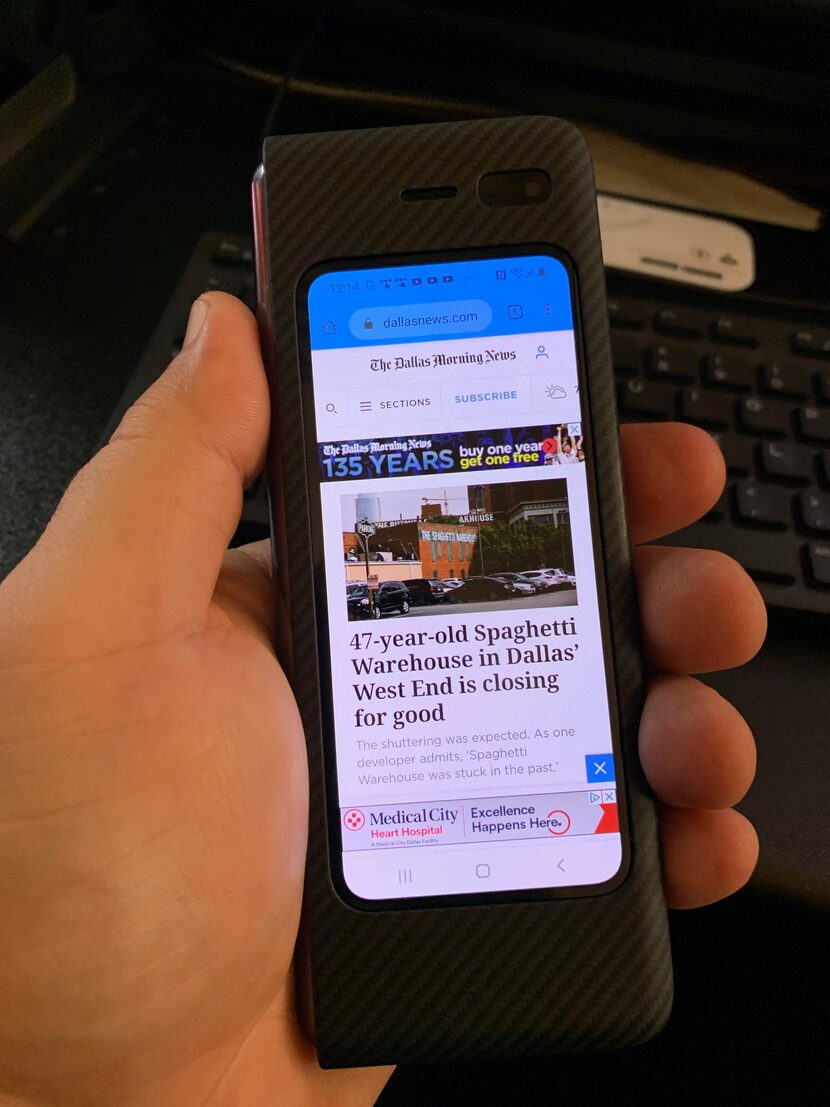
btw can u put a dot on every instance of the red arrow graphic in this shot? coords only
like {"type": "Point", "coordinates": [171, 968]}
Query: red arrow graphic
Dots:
{"type": "Point", "coordinates": [609, 823]}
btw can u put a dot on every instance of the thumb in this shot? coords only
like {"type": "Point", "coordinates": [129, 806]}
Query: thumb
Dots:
{"type": "Point", "coordinates": [142, 529]}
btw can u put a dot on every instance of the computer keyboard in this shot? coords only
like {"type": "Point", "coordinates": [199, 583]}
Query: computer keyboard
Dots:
{"type": "Point", "coordinates": [761, 387]}
{"type": "Point", "coordinates": [759, 383]}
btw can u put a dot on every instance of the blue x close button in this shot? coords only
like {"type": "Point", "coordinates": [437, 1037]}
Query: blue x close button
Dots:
{"type": "Point", "coordinates": [599, 768]}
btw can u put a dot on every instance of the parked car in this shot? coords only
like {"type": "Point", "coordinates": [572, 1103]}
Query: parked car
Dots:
{"type": "Point", "coordinates": [423, 590]}
{"type": "Point", "coordinates": [540, 579]}
{"type": "Point", "coordinates": [452, 582]}
{"type": "Point", "coordinates": [482, 588]}
{"type": "Point", "coordinates": [562, 578]}
{"type": "Point", "coordinates": [390, 596]}
{"type": "Point", "coordinates": [548, 580]}
{"type": "Point", "coordinates": [523, 587]}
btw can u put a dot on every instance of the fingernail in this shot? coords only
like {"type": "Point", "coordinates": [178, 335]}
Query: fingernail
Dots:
{"type": "Point", "coordinates": [195, 322]}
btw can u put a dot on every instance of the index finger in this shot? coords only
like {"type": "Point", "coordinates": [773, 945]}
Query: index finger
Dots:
{"type": "Point", "coordinates": [673, 474]}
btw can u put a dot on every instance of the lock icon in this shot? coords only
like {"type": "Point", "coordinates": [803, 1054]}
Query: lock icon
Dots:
{"type": "Point", "coordinates": [368, 324]}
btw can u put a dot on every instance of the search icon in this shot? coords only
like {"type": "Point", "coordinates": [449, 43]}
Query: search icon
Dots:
{"type": "Point", "coordinates": [331, 409]}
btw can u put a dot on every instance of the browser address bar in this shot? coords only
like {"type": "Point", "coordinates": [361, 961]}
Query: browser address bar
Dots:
{"type": "Point", "coordinates": [415, 320]}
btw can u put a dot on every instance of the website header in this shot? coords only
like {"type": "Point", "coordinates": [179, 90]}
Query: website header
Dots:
{"type": "Point", "coordinates": [452, 383]}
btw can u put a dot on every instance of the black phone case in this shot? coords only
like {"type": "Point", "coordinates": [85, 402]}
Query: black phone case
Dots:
{"type": "Point", "coordinates": [502, 980]}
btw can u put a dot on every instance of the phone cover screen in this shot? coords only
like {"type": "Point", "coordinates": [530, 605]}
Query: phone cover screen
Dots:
{"type": "Point", "coordinates": [469, 710]}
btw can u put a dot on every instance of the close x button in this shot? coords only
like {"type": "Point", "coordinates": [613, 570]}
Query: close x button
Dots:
{"type": "Point", "coordinates": [599, 768]}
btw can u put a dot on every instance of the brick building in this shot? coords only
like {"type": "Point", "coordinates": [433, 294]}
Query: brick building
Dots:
{"type": "Point", "coordinates": [533, 501]}
{"type": "Point", "coordinates": [411, 548]}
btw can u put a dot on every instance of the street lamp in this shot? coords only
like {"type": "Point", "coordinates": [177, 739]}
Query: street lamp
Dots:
{"type": "Point", "coordinates": [364, 530]}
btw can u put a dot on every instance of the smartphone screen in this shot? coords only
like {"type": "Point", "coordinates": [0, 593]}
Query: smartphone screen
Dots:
{"type": "Point", "coordinates": [469, 713]}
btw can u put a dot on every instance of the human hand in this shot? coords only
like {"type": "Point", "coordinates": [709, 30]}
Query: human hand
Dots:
{"type": "Point", "coordinates": [153, 790]}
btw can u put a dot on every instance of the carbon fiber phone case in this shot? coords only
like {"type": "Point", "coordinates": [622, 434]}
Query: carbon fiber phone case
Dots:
{"type": "Point", "coordinates": [455, 982]}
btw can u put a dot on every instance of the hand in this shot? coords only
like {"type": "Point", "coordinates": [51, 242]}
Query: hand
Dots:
{"type": "Point", "coordinates": [153, 791]}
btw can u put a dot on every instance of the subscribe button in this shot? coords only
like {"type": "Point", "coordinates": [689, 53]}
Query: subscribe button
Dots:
{"type": "Point", "coordinates": [478, 395]}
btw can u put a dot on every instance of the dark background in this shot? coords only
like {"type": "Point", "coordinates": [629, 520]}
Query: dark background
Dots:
{"type": "Point", "coordinates": [102, 213]}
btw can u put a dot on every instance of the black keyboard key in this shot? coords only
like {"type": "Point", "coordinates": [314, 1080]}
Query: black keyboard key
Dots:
{"type": "Point", "coordinates": [707, 409]}
{"type": "Point", "coordinates": [759, 416]}
{"type": "Point", "coordinates": [737, 332]}
{"type": "Point", "coordinates": [787, 461]}
{"type": "Point", "coordinates": [813, 343]}
{"type": "Point", "coordinates": [815, 511]}
{"type": "Point", "coordinates": [644, 398]}
{"type": "Point", "coordinates": [814, 424]}
{"type": "Point", "coordinates": [780, 379]}
{"type": "Point", "coordinates": [738, 453]}
{"type": "Point", "coordinates": [230, 251]}
{"type": "Point", "coordinates": [822, 383]}
{"type": "Point", "coordinates": [818, 560]}
{"type": "Point", "coordinates": [730, 372]}
{"type": "Point", "coordinates": [628, 313]}
{"type": "Point", "coordinates": [766, 557]}
{"type": "Point", "coordinates": [670, 320]}
{"type": "Point", "coordinates": [627, 354]}
{"type": "Point", "coordinates": [762, 504]}
{"type": "Point", "coordinates": [673, 363]}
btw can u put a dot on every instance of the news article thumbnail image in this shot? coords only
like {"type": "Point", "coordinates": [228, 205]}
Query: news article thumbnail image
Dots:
{"type": "Point", "coordinates": [432, 550]}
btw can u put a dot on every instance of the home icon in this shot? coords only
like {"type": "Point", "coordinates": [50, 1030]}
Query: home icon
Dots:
{"type": "Point", "coordinates": [329, 327]}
